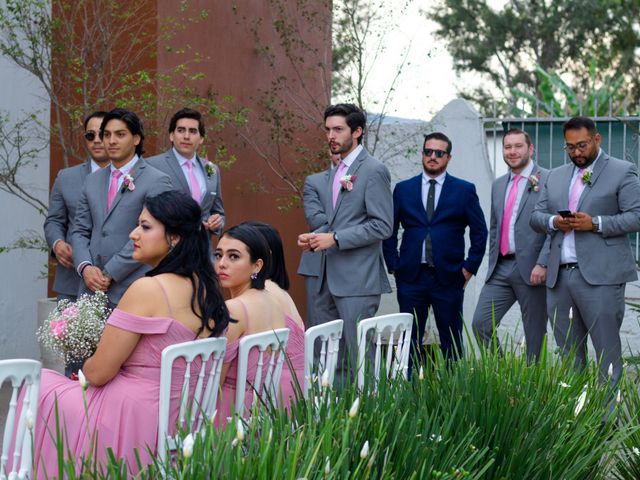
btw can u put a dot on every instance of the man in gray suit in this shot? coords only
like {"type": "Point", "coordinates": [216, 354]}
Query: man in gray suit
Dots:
{"type": "Point", "coordinates": [111, 201]}
{"type": "Point", "coordinates": [356, 200]}
{"type": "Point", "coordinates": [588, 207]}
{"type": "Point", "coordinates": [188, 172]}
{"type": "Point", "coordinates": [310, 262]}
{"type": "Point", "coordinates": [517, 255]}
{"type": "Point", "coordinates": [65, 194]}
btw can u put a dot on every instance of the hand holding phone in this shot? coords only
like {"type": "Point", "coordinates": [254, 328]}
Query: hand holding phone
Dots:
{"type": "Point", "coordinates": [566, 214]}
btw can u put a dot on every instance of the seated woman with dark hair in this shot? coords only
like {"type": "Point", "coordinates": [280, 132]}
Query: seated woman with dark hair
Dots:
{"type": "Point", "coordinates": [179, 300]}
{"type": "Point", "coordinates": [242, 262]}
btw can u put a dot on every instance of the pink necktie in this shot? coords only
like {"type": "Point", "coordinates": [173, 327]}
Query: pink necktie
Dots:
{"type": "Point", "coordinates": [336, 181]}
{"type": "Point", "coordinates": [576, 191]}
{"type": "Point", "coordinates": [194, 186]}
{"type": "Point", "coordinates": [113, 188]}
{"type": "Point", "coordinates": [507, 214]}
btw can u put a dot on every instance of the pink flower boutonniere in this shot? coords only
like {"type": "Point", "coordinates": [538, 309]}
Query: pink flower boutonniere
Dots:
{"type": "Point", "coordinates": [209, 168]}
{"type": "Point", "coordinates": [586, 177]}
{"type": "Point", "coordinates": [534, 182]}
{"type": "Point", "coordinates": [127, 184]}
{"type": "Point", "coordinates": [347, 182]}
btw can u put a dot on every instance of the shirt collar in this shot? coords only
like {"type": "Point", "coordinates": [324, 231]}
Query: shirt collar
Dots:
{"type": "Point", "coordinates": [182, 160]}
{"type": "Point", "coordinates": [349, 159]}
{"type": "Point", "coordinates": [94, 166]}
{"type": "Point", "coordinates": [526, 173]}
{"type": "Point", "coordinates": [590, 167]}
{"type": "Point", "coordinates": [127, 166]}
{"type": "Point", "coordinates": [439, 179]}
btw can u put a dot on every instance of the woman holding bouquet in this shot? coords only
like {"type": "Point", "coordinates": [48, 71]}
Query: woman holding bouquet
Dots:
{"type": "Point", "coordinates": [242, 262]}
{"type": "Point", "coordinates": [179, 300]}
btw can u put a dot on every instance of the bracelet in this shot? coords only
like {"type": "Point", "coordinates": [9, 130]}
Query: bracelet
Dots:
{"type": "Point", "coordinates": [83, 267]}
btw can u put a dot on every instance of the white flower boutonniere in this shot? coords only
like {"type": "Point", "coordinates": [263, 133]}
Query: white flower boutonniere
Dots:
{"type": "Point", "coordinates": [209, 168]}
{"type": "Point", "coordinates": [586, 177]}
{"type": "Point", "coordinates": [127, 184]}
{"type": "Point", "coordinates": [347, 182]}
{"type": "Point", "coordinates": [534, 182]}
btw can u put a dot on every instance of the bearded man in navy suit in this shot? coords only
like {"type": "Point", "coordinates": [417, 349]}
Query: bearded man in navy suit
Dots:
{"type": "Point", "coordinates": [434, 209]}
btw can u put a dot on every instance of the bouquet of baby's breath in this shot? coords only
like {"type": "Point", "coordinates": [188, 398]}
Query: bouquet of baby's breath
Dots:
{"type": "Point", "coordinates": [74, 329]}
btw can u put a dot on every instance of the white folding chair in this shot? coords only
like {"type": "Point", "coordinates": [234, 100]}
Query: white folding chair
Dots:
{"type": "Point", "coordinates": [267, 389]}
{"type": "Point", "coordinates": [196, 407]}
{"type": "Point", "coordinates": [329, 335]}
{"type": "Point", "coordinates": [397, 328]}
{"type": "Point", "coordinates": [23, 374]}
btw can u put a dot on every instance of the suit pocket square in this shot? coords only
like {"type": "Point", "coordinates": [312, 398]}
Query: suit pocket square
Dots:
{"type": "Point", "coordinates": [213, 193]}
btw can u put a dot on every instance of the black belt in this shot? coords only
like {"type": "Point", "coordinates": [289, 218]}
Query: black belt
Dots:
{"type": "Point", "coordinates": [426, 265]}
{"type": "Point", "coordinates": [569, 266]}
{"type": "Point", "coordinates": [508, 256]}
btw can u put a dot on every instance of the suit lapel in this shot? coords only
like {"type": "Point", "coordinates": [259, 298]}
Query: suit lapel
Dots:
{"type": "Point", "coordinates": [171, 159]}
{"type": "Point", "coordinates": [501, 191]}
{"type": "Point", "coordinates": [135, 172]}
{"type": "Point", "coordinates": [352, 170]}
{"type": "Point", "coordinates": [527, 190]}
{"type": "Point", "coordinates": [601, 163]}
{"type": "Point", "coordinates": [103, 188]}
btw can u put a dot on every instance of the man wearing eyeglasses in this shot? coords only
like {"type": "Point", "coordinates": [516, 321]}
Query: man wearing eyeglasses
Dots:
{"type": "Point", "coordinates": [588, 207]}
{"type": "Point", "coordinates": [434, 209]}
{"type": "Point", "coordinates": [517, 255]}
{"type": "Point", "coordinates": [197, 177]}
{"type": "Point", "coordinates": [65, 194]}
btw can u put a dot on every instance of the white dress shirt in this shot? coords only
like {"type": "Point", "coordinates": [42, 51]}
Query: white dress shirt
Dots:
{"type": "Point", "coordinates": [522, 185]}
{"type": "Point", "coordinates": [125, 169]}
{"type": "Point", "coordinates": [425, 193]}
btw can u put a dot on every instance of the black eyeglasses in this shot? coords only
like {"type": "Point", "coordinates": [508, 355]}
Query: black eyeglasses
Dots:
{"type": "Point", "coordinates": [90, 136]}
{"type": "Point", "coordinates": [582, 146]}
{"type": "Point", "coordinates": [430, 151]}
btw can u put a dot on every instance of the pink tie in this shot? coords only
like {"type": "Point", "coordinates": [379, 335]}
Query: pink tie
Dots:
{"type": "Point", "coordinates": [336, 182]}
{"type": "Point", "coordinates": [508, 213]}
{"type": "Point", "coordinates": [193, 182]}
{"type": "Point", "coordinates": [113, 188]}
{"type": "Point", "coordinates": [576, 191]}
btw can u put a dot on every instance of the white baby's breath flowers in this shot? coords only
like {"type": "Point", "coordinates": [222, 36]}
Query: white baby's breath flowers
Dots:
{"type": "Point", "coordinates": [353, 411]}
{"type": "Point", "coordinates": [187, 446]}
{"type": "Point", "coordinates": [580, 404]}
{"type": "Point", "coordinates": [365, 450]}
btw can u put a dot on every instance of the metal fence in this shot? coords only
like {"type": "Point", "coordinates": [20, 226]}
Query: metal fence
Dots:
{"type": "Point", "coordinates": [620, 139]}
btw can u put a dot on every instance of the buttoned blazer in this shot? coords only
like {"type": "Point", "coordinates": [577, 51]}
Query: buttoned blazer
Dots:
{"type": "Point", "coordinates": [211, 202]}
{"type": "Point", "coordinates": [458, 208]}
{"type": "Point", "coordinates": [65, 194]}
{"type": "Point", "coordinates": [362, 218]}
{"type": "Point", "coordinates": [102, 237]}
{"type": "Point", "coordinates": [530, 245]}
{"type": "Point", "coordinates": [310, 262]}
{"type": "Point", "coordinates": [613, 193]}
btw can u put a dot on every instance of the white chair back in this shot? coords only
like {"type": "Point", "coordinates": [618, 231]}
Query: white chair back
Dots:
{"type": "Point", "coordinates": [195, 408]}
{"type": "Point", "coordinates": [397, 328]}
{"type": "Point", "coordinates": [23, 374]}
{"type": "Point", "coordinates": [266, 386]}
{"type": "Point", "coordinates": [329, 335]}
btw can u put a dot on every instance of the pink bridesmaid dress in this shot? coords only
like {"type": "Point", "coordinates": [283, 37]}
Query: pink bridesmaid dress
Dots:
{"type": "Point", "coordinates": [122, 415]}
{"type": "Point", "coordinates": [295, 354]}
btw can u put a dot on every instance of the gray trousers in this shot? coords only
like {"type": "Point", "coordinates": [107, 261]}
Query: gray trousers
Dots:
{"type": "Point", "coordinates": [311, 287]}
{"type": "Point", "coordinates": [350, 310]}
{"type": "Point", "coordinates": [598, 311]}
{"type": "Point", "coordinates": [501, 291]}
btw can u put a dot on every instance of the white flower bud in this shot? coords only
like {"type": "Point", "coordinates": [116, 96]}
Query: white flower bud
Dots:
{"type": "Point", "coordinates": [581, 400]}
{"type": "Point", "coordinates": [28, 418]}
{"type": "Point", "coordinates": [327, 466]}
{"type": "Point", "coordinates": [83, 380]}
{"type": "Point", "coordinates": [570, 313]}
{"type": "Point", "coordinates": [239, 430]}
{"type": "Point", "coordinates": [421, 373]}
{"type": "Point", "coordinates": [325, 378]}
{"type": "Point", "coordinates": [365, 450]}
{"type": "Point", "coordinates": [353, 411]}
{"type": "Point", "coordinates": [610, 370]}
{"type": "Point", "coordinates": [187, 446]}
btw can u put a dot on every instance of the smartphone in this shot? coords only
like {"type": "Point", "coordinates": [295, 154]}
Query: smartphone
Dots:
{"type": "Point", "coordinates": [565, 214]}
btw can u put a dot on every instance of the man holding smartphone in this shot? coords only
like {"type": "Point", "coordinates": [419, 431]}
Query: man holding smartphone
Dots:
{"type": "Point", "coordinates": [589, 207]}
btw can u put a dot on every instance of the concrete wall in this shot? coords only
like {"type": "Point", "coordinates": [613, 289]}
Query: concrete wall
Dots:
{"type": "Point", "coordinates": [21, 282]}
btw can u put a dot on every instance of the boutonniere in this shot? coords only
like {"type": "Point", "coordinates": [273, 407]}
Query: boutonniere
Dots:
{"type": "Point", "coordinates": [209, 168]}
{"type": "Point", "coordinates": [586, 177]}
{"type": "Point", "coordinates": [347, 182]}
{"type": "Point", "coordinates": [534, 181]}
{"type": "Point", "coordinates": [127, 184]}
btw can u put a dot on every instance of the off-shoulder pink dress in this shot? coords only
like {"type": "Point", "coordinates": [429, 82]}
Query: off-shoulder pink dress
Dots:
{"type": "Point", "coordinates": [295, 354]}
{"type": "Point", "coordinates": [122, 414]}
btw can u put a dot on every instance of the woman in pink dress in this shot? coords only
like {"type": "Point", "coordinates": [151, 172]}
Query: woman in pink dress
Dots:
{"type": "Point", "coordinates": [179, 300]}
{"type": "Point", "coordinates": [243, 264]}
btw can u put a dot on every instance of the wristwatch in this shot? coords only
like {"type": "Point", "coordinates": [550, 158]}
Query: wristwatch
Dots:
{"type": "Point", "coordinates": [595, 226]}
{"type": "Point", "coordinates": [335, 239]}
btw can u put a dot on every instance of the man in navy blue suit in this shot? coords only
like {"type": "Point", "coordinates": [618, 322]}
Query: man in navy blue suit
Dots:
{"type": "Point", "coordinates": [435, 209]}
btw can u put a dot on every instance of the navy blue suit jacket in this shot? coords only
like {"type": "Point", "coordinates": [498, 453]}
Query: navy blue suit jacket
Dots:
{"type": "Point", "coordinates": [458, 208]}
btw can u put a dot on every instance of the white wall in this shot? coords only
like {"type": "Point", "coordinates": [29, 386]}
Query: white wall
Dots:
{"type": "Point", "coordinates": [21, 282]}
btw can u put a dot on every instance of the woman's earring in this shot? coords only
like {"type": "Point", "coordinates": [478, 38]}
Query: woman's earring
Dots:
{"type": "Point", "coordinates": [254, 276]}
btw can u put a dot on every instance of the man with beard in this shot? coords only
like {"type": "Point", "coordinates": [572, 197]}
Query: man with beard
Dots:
{"type": "Point", "coordinates": [356, 201]}
{"type": "Point", "coordinates": [588, 207]}
{"type": "Point", "coordinates": [517, 255]}
{"type": "Point", "coordinates": [434, 209]}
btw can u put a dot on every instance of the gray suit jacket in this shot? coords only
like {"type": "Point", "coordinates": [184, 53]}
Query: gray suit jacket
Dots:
{"type": "Point", "coordinates": [310, 262]}
{"type": "Point", "coordinates": [362, 219]}
{"type": "Point", "coordinates": [101, 237]}
{"type": "Point", "coordinates": [531, 248]}
{"type": "Point", "coordinates": [65, 195]}
{"type": "Point", "coordinates": [211, 203]}
{"type": "Point", "coordinates": [605, 258]}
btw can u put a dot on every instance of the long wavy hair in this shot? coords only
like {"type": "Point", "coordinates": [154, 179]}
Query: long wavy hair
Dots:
{"type": "Point", "coordinates": [278, 269]}
{"type": "Point", "coordinates": [190, 257]}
